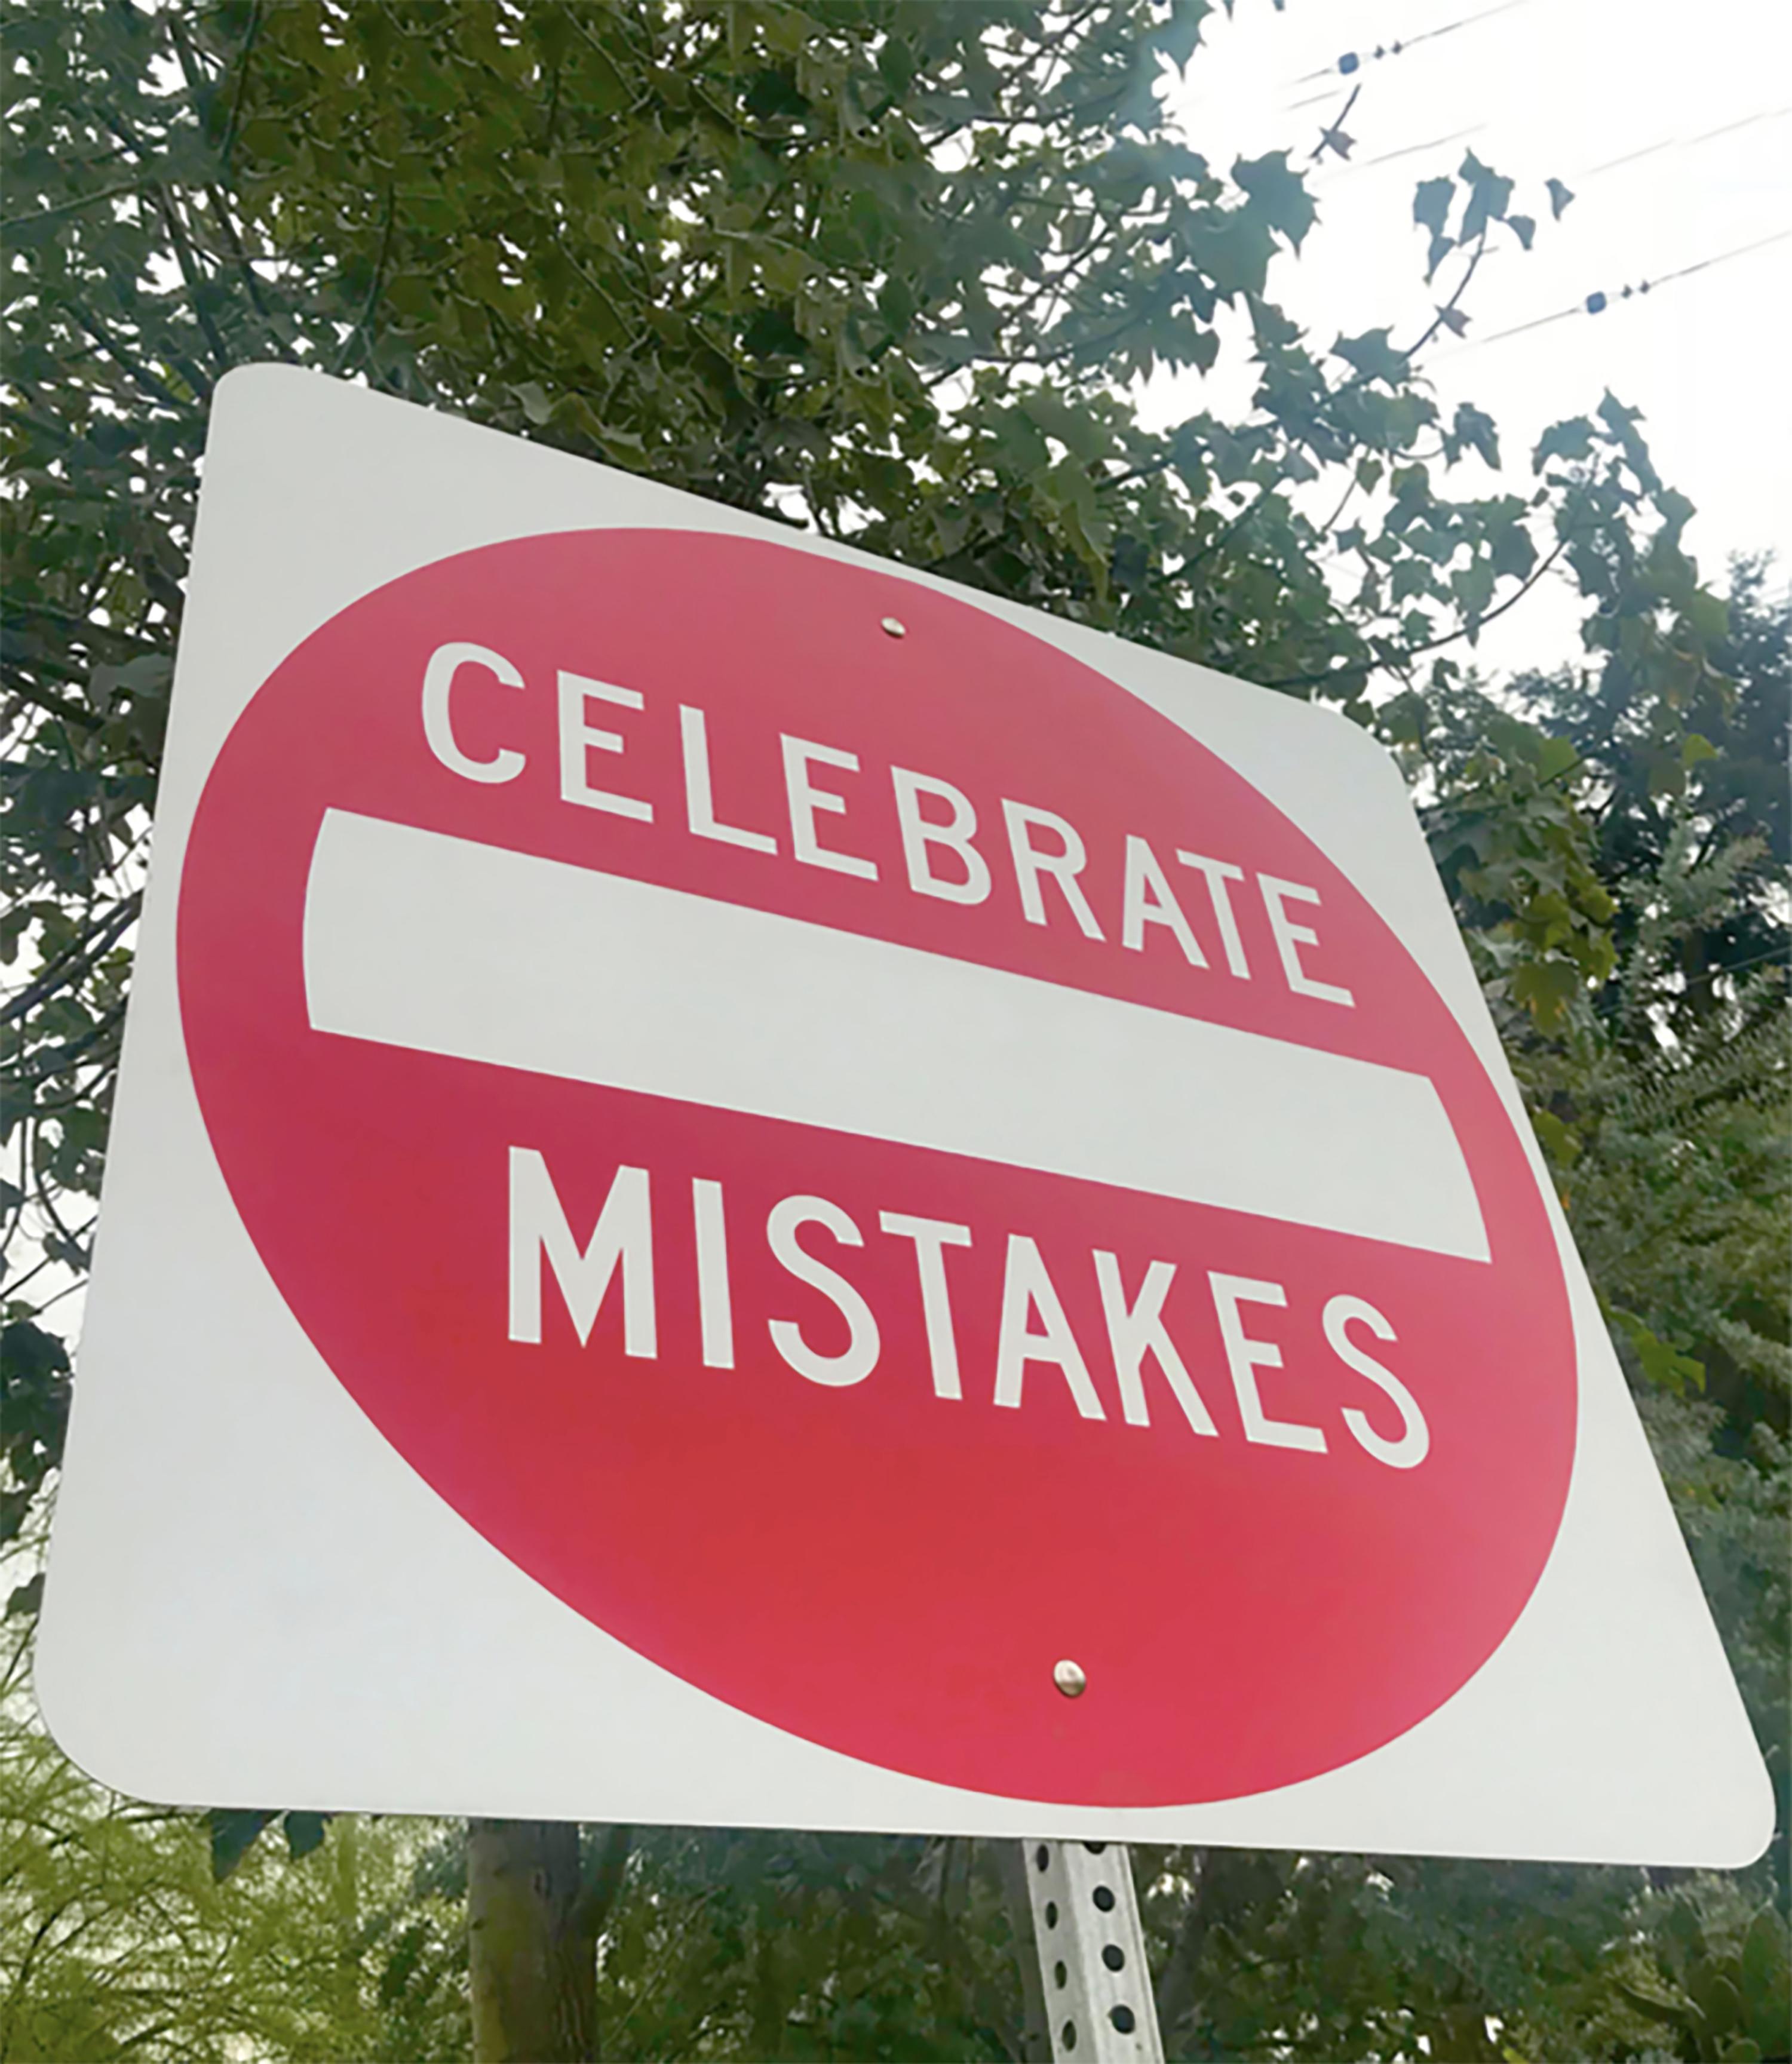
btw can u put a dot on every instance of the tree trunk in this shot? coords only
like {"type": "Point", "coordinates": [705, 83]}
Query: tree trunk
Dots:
{"type": "Point", "coordinates": [534, 1919]}
{"type": "Point", "coordinates": [1033, 2039]}
{"type": "Point", "coordinates": [1176, 1986]}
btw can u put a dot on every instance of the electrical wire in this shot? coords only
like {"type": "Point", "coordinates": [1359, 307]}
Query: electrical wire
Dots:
{"type": "Point", "coordinates": [1597, 302]}
{"type": "Point", "coordinates": [1585, 172]}
{"type": "Point", "coordinates": [1685, 143]}
{"type": "Point", "coordinates": [1412, 150]}
{"type": "Point", "coordinates": [1353, 61]}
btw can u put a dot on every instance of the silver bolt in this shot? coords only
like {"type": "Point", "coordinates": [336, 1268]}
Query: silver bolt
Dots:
{"type": "Point", "coordinates": [1069, 1678]}
{"type": "Point", "coordinates": [895, 627]}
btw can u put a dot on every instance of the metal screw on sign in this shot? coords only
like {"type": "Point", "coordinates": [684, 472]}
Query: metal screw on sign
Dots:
{"type": "Point", "coordinates": [1092, 1964]}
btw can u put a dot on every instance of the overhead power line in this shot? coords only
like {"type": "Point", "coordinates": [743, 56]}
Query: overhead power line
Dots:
{"type": "Point", "coordinates": [1583, 173]}
{"type": "Point", "coordinates": [1685, 143]}
{"type": "Point", "coordinates": [1352, 61]}
{"type": "Point", "coordinates": [1599, 301]}
{"type": "Point", "coordinates": [1412, 150]}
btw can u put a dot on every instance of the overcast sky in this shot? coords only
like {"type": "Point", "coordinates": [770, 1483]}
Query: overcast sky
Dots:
{"type": "Point", "coordinates": [1672, 124]}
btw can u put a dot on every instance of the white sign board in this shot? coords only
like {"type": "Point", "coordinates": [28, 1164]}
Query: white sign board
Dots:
{"type": "Point", "coordinates": [747, 1188]}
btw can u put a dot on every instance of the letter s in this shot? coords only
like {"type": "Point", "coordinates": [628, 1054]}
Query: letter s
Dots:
{"type": "Point", "coordinates": [1415, 1443]}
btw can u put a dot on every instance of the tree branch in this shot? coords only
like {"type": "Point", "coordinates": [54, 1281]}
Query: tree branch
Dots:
{"type": "Point", "coordinates": [602, 1882]}
{"type": "Point", "coordinates": [48, 698]}
{"type": "Point", "coordinates": [69, 207]}
{"type": "Point", "coordinates": [229, 144]}
{"type": "Point", "coordinates": [1395, 659]}
{"type": "Point", "coordinates": [155, 389]}
{"type": "Point", "coordinates": [1449, 308]}
{"type": "Point", "coordinates": [84, 951]}
{"type": "Point", "coordinates": [372, 302]}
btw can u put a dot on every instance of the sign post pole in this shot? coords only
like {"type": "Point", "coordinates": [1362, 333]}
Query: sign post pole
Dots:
{"type": "Point", "coordinates": [1091, 1946]}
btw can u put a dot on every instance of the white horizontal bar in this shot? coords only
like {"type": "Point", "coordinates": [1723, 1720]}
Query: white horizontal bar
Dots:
{"type": "Point", "coordinates": [416, 939]}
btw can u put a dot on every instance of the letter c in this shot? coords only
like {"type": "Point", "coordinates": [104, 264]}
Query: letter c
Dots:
{"type": "Point", "coordinates": [439, 728]}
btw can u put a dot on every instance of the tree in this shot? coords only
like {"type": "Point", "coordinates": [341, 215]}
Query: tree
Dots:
{"type": "Point", "coordinates": [119, 1939]}
{"type": "Point", "coordinates": [888, 268]}
{"type": "Point", "coordinates": [1661, 1097]}
{"type": "Point", "coordinates": [536, 1910]}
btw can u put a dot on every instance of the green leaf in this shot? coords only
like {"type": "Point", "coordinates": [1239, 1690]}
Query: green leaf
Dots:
{"type": "Point", "coordinates": [1430, 203]}
{"type": "Point", "coordinates": [233, 1830]}
{"type": "Point", "coordinates": [1373, 356]}
{"type": "Point", "coordinates": [304, 1832]}
{"type": "Point", "coordinates": [1473, 430]}
{"type": "Point", "coordinates": [774, 93]}
{"type": "Point", "coordinates": [771, 333]}
{"type": "Point", "coordinates": [1231, 246]}
{"type": "Point", "coordinates": [1076, 428]}
{"type": "Point", "coordinates": [1721, 2002]}
{"type": "Point", "coordinates": [1766, 1975]}
{"type": "Point", "coordinates": [1554, 756]}
{"type": "Point", "coordinates": [1488, 193]}
{"type": "Point", "coordinates": [1572, 439]}
{"type": "Point", "coordinates": [1129, 564]}
{"type": "Point", "coordinates": [1670, 1369]}
{"type": "Point", "coordinates": [149, 674]}
{"type": "Point", "coordinates": [1278, 193]}
{"type": "Point", "coordinates": [1656, 2005]}
{"type": "Point", "coordinates": [1545, 988]}
{"type": "Point", "coordinates": [1558, 1142]}
{"type": "Point", "coordinates": [1178, 37]}
{"type": "Point", "coordinates": [1020, 445]}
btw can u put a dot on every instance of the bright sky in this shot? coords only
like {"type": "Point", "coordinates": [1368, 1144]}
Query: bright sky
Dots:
{"type": "Point", "coordinates": [1672, 122]}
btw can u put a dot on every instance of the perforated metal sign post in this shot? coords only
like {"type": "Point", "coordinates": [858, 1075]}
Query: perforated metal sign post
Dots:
{"type": "Point", "coordinates": [685, 1087]}
{"type": "Point", "coordinates": [1091, 1949]}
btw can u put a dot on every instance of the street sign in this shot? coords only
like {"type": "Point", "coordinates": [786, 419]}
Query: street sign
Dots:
{"type": "Point", "coordinates": [747, 1188]}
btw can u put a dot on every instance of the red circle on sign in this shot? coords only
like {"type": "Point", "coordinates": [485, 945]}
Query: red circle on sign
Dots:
{"type": "Point", "coordinates": [872, 1565]}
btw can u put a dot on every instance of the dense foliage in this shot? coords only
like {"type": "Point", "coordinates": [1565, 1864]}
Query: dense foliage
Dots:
{"type": "Point", "coordinates": [889, 268]}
